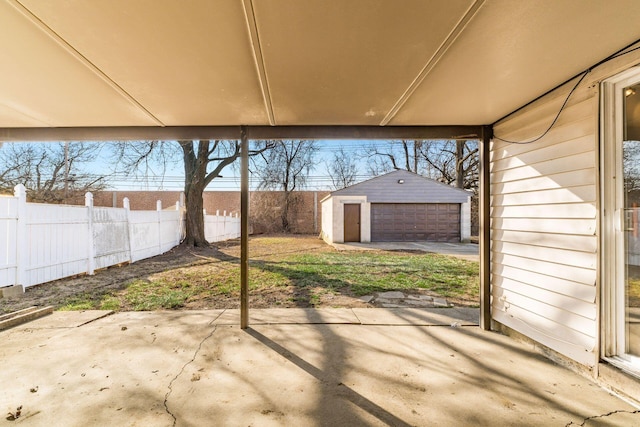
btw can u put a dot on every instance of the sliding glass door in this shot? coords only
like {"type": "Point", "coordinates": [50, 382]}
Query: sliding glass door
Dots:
{"type": "Point", "coordinates": [631, 208]}
{"type": "Point", "coordinates": [621, 220]}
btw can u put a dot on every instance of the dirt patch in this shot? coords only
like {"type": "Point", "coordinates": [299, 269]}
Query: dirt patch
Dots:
{"type": "Point", "coordinates": [107, 280]}
{"type": "Point", "coordinates": [200, 267]}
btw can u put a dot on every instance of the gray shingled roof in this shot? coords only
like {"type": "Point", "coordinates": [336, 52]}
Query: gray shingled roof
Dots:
{"type": "Point", "coordinates": [414, 189]}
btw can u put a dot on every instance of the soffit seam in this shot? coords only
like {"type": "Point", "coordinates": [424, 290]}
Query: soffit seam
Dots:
{"type": "Point", "coordinates": [26, 115]}
{"type": "Point", "coordinates": [433, 61]}
{"type": "Point", "coordinates": [258, 58]}
{"type": "Point", "coordinates": [82, 59]}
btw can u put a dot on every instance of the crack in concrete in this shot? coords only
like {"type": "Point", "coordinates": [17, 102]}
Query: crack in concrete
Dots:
{"type": "Point", "coordinates": [619, 411]}
{"type": "Point", "coordinates": [170, 387]}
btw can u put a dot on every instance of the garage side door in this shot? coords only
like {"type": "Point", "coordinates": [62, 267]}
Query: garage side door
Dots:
{"type": "Point", "coordinates": [437, 222]}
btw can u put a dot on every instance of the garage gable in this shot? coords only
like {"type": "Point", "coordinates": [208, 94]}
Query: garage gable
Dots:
{"type": "Point", "coordinates": [402, 186]}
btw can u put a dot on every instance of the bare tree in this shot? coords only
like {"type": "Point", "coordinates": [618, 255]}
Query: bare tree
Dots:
{"type": "Point", "coordinates": [449, 161]}
{"type": "Point", "coordinates": [285, 167]}
{"type": "Point", "coordinates": [342, 169]}
{"type": "Point", "coordinates": [203, 161]}
{"type": "Point", "coordinates": [145, 159]}
{"type": "Point", "coordinates": [51, 172]}
{"type": "Point", "coordinates": [452, 162]}
{"type": "Point", "coordinates": [394, 155]}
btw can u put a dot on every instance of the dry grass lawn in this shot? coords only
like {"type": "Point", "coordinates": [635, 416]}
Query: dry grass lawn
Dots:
{"type": "Point", "coordinates": [285, 271]}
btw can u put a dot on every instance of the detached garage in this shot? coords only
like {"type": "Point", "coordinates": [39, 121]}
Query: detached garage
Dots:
{"type": "Point", "coordinates": [398, 206]}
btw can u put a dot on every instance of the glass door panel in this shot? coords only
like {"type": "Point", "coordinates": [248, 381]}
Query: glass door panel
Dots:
{"type": "Point", "coordinates": [631, 217]}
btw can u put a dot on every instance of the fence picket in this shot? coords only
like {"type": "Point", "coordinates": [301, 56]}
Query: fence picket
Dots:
{"type": "Point", "coordinates": [91, 264]}
{"type": "Point", "coordinates": [127, 208]}
{"type": "Point", "coordinates": [159, 210]}
{"type": "Point", "coordinates": [221, 227]}
{"type": "Point", "coordinates": [22, 253]}
{"type": "Point", "coordinates": [48, 242]}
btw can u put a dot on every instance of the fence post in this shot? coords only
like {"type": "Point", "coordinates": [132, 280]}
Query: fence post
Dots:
{"type": "Point", "coordinates": [224, 225]}
{"type": "Point", "coordinates": [127, 208]}
{"type": "Point", "coordinates": [91, 265]}
{"type": "Point", "coordinates": [159, 209]}
{"type": "Point", "coordinates": [315, 212]}
{"type": "Point", "coordinates": [179, 224]}
{"type": "Point", "coordinates": [216, 234]}
{"type": "Point", "coordinates": [22, 240]}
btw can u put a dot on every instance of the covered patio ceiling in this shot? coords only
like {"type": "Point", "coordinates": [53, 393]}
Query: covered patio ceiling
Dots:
{"type": "Point", "coordinates": [166, 64]}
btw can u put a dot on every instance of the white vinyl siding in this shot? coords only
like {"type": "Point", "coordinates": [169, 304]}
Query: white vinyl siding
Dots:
{"type": "Point", "coordinates": [544, 223]}
{"type": "Point", "coordinates": [544, 218]}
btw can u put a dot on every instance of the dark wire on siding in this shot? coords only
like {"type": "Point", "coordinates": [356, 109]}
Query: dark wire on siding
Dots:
{"type": "Point", "coordinates": [582, 76]}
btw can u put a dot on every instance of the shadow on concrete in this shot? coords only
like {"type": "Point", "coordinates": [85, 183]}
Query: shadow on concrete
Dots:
{"type": "Point", "coordinates": [331, 382]}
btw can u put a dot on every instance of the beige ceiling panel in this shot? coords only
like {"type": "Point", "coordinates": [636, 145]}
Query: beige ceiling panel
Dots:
{"type": "Point", "coordinates": [43, 84]}
{"type": "Point", "coordinates": [347, 62]}
{"type": "Point", "coordinates": [188, 63]}
{"type": "Point", "coordinates": [9, 117]}
{"type": "Point", "coordinates": [514, 51]}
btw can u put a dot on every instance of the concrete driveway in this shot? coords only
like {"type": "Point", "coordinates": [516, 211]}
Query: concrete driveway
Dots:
{"type": "Point", "coordinates": [469, 251]}
{"type": "Point", "coordinates": [293, 367]}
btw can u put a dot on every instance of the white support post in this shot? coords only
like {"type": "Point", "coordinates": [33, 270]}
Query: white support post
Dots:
{"type": "Point", "coordinates": [22, 240]}
{"type": "Point", "coordinates": [127, 208]}
{"type": "Point", "coordinates": [159, 209]}
{"type": "Point", "coordinates": [91, 264]}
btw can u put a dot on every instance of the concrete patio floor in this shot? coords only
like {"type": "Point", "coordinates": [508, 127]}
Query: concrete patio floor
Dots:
{"type": "Point", "coordinates": [293, 367]}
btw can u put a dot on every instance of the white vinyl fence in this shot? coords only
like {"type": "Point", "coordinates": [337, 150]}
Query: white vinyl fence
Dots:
{"type": "Point", "coordinates": [42, 242]}
{"type": "Point", "coordinates": [221, 227]}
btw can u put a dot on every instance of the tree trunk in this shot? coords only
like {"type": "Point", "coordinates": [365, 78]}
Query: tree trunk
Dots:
{"type": "Point", "coordinates": [195, 172]}
{"type": "Point", "coordinates": [460, 163]}
{"type": "Point", "coordinates": [194, 215]}
{"type": "Point", "coordinates": [285, 213]}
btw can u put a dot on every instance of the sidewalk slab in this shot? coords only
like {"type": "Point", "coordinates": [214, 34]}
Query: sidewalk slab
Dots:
{"type": "Point", "coordinates": [272, 316]}
{"type": "Point", "coordinates": [65, 319]}
{"type": "Point", "coordinates": [418, 316]}
{"type": "Point", "coordinates": [20, 317]}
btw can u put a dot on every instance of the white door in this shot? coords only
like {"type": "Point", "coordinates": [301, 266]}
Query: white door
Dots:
{"type": "Point", "coordinates": [621, 220]}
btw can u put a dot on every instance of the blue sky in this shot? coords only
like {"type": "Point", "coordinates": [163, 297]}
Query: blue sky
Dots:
{"type": "Point", "coordinates": [173, 178]}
